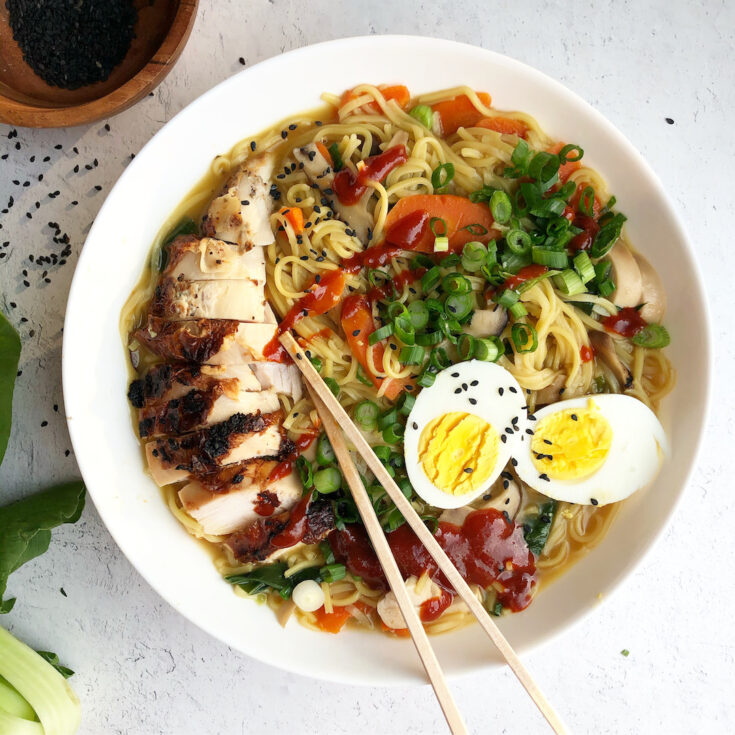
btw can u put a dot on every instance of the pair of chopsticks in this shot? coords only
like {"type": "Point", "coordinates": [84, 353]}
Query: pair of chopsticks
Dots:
{"type": "Point", "coordinates": [336, 421]}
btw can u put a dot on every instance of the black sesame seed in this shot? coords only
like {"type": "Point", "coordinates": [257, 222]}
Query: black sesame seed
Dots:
{"type": "Point", "coordinates": [512, 389]}
{"type": "Point", "coordinates": [415, 425]}
{"type": "Point", "coordinates": [468, 470]}
{"type": "Point", "coordinates": [284, 134]}
{"type": "Point", "coordinates": [574, 417]}
{"type": "Point", "coordinates": [242, 61]}
{"type": "Point", "coordinates": [292, 126]}
{"type": "Point", "coordinates": [503, 438]}
{"type": "Point", "coordinates": [544, 476]}
{"type": "Point", "coordinates": [298, 355]}
{"type": "Point", "coordinates": [514, 461]}
{"type": "Point", "coordinates": [455, 375]}
{"type": "Point", "coordinates": [457, 390]}
{"type": "Point", "coordinates": [44, 423]}
{"type": "Point", "coordinates": [252, 145]}
{"type": "Point", "coordinates": [500, 391]}
{"type": "Point", "coordinates": [547, 441]}
{"type": "Point", "coordinates": [355, 332]}
{"type": "Point", "coordinates": [669, 120]}
{"type": "Point", "coordinates": [594, 501]}
{"type": "Point", "coordinates": [67, 453]}
{"type": "Point", "coordinates": [473, 401]}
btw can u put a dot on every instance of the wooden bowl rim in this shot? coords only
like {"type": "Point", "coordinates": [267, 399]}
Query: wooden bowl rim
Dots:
{"type": "Point", "coordinates": [13, 112]}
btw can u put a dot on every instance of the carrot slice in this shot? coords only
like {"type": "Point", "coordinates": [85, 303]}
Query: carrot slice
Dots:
{"type": "Point", "coordinates": [567, 169]}
{"type": "Point", "coordinates": [459, 112]}
{"type": "Point", "coordinates": [331, 622]}
{"type": "Point", "coordinates": [400, 632]}
{"type": "Point", "coordinates": [295, 216]}
{"type": "Point", "coordinates": [397, 92]}
{"type": "Point", "coordinates": [457, 212]}
{"type": "Point", "coordinates": [506, 125]}
{"type": "Point", "coordinates": [358, 325]}
{"type": "Point", "coordinates": [325, 152]}
{"type": "Point", "coordinates": [574, 201]}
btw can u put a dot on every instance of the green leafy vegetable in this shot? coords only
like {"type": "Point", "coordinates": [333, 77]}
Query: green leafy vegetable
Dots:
{"type": "Point", "coordinates": [25, 528]}
{"type": "Point", "coordinates": [53, 659]}
{"type": "Point", "coordinates": [337, 162]}
{"type": "Point", "coordinates": [186, 226]}
{"type": "Point", "coordinates": [9, 356]}
{"type": "Point", "coordinates": [536, 530]}
{"type": "Point", "coordinates": [625, 652]}
{"type": "Point", "coordinates": [262, 578]}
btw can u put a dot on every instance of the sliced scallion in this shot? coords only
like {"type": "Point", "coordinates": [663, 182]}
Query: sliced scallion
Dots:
{"type": "Point", "coordinates": [333, 385]}
{"type": "Point", "coordinates": [394, 434]}
{"type": "Point", "coordinates": [379, 334]}
{"type": "Point", "coordinates": [388, 418]}
{"type": "Point", "coordinates": [466, 347]}
{"type": "Point", "coordinates": [587, 201]}
{"type": "Point", "coordinates": [458, 305]}
{"type": "Point", "coordinates": [429, 338]}
{"type": "Point", "coordinates": [569, 283]}
{"type": "Point", "coordinates": [406, 404]}
{"type": "Point", "coordinates": [517, 310]}
{"type": "Point", "coordinates": [442, 175]}
{"type": "Point", "coordinates": [412, 355]}
{"type": "Point", "coordinates": [518, 242]}
{"type": "Point", "coordinates": [366, 414]}
{"type": "Point", "coordinates": [507, 298]}
{"type": "Point", "coordinates": [324, 451]}
{"type": "Point", "coordinates": [524, 336]}
{"type": "Point", "coordinates": [653, 336]}
{"type": "Point", "coordinates": [501, 207]}
{"type": "Point", "coordinates": [583, 266]}
{"type": "Point", "coordinates": [418, 313]}
{"type": "Point", "coordinates": [488, 349]}
{"type": "Point", "coordinates": [430, 279]}
{"type": "Point", "coordinates": [424, 114]}
{"type": "Point", "coordinates": [550, 258]}
{"type": "Point", "coordinates": [403, 329]}
{"type": "Point", "coordinates": [332, 573]}
{"type": "Point", "coordinates": [441, 244]}
{"type": "Point", "coordinates": [474, 255]}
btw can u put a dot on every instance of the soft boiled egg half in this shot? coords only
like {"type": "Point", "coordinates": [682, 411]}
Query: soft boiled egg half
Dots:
{"type": "Point", "coordinates": [461, 432]}
{"type": "Point", "coordinates": [592, 450]}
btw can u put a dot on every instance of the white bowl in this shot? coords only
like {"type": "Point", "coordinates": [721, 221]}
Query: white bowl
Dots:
{"type": "Point", "coordinates": [95, 377]}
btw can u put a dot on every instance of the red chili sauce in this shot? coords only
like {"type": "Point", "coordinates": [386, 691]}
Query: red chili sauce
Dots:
{"type": "Point", "coordinates": [350, 186]}
{"type": "Point", "coordinates": [266, 503]}
{"type": "Point", "coordinates": [586, 353]}
{"type": "Point", "coordinates": [524, 274]}
{"type": "Point", "coordinates": [487, 548]}
{"type": "Point", "coordinates": [283, 469]}
{"type": "Point", "coordinates": [627, 322]}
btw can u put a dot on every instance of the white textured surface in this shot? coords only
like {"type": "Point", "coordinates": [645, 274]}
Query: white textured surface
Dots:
{"type": "Point", "coordinates": [141, 668]}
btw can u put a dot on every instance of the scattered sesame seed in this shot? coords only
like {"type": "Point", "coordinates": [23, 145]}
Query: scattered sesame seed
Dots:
{"type": "Point", "coordinates": [473, 401]}
{"type": "Point", "coordinates": [468, 470]}
{"type": "Point", "coordinates": [44, 423]}
{"type": "Point", "coordinates": [544, 476]}
{"type": "Point", "coordinates": [669, 120]}
{"type": "Point", "coordinates": [414, 425]}
{"type": "Point", "coordinates": [512, 389]}
{"type": "Point", "coordinates": [67, 453]}
{"type": "Point", "coordinates": [500, 391]}
{"type": "Point", "coordinates": [455, 375]}
{"type": "Point", "coordinates": [242, 61]}
{"type": "Point", "coordinates": [574, 417]}
{"type": "Point", "coordinates": [594, 501]}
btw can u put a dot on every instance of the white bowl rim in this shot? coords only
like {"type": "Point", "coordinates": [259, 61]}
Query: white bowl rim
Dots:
{"type": "Point", "coordinates": [444, 47]}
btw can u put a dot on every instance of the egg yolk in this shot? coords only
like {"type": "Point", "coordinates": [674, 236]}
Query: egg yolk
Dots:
{"type": "Point", "coordinates": [458, 452]}
{"type": "Point", "coordinates": [571, 444]}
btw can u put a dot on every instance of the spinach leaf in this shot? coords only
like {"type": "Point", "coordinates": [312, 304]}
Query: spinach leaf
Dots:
{"type": "Point", "coordinates": [536, 530]}
{"type": "Point", "coordinates": [53, 659]}
{"type": "Point", "coordinates": [9, 356]}
{"type": "Point", "coordinates": [187, 226]}
{"type": "Point", "coordinates": [25, 528]}
{"type": "Point", "coordinates": [272, 576]}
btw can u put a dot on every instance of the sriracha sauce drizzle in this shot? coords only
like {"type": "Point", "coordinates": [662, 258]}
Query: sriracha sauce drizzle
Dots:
{"type": "Point", "coordinates": [627, 322]}
{"type": "Point", "coordinates": [349, 187]}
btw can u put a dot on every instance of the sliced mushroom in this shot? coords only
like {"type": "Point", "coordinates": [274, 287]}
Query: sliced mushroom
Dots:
{"type": "Point", "coordinates": [551, 392]}
{"type": "Point", "coordinates": [604, 346]}
{"type": "Point", "coordinates": [626, 276]}
{"type": "Point", "coordinates": [320, 173]}
{"type": "Point", "coordinates": [505, 496]}
{"type": "Point", "coordinates": [389, 611]}
{"type": "Point", "coordinates": [653, 295]}
{"type": "Point", "coordinates": [487, 322]}
{"type": "Point", "coordinates": [400, 137]}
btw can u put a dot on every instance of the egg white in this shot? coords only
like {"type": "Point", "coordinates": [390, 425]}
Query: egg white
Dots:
{"type": "Point", "coordinates": [639, 445]}
{"type": "Point", "coordinates": [498, 410]}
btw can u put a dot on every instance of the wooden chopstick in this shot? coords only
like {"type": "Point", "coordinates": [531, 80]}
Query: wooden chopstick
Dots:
{"type": "Point", "coordinates": [390, 567]}
{"type": "Point", "coordinates": [419, 528]}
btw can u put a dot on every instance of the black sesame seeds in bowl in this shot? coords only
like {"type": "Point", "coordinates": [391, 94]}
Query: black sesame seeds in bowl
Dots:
{"type": "Point", "coordinates": [65, 62]}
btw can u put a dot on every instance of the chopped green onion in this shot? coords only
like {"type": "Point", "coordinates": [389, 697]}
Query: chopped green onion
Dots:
{"type": "Point", "coordinates": [424, 114]}
{"type": "Point", "coordinates": [433, 222]}
{"type": "Point", "coordinates": [316, 362]}
{"type": "Point", "coordinates": [345, 511]}
{"type": "Point", "coordinates": [653, 336]}
{"type": "Point", "coordinates": [324, 451]}
{"type": "Point", "coordinates": [388, 418]}
{"type": "Point", "coordinates": [583, 266]}
{"type": "Point", "coordinates": [587, 201]}
{"type": "Point", "coordinates": [488, 349]}
{"type": "Point", "coordinates": [426, 379]}
{"type": "Point", "coordinates": [434, 305]}
{"type": "Point", "coordinates": [327, 480]}
{"type": "Point", "coordinates": [397, 460]}
{"type": "Point", "coordinates": [517, 310]}
{"type": "Point", "coordinates": [382, 452]}
{"type": "Point", "coordinates": [607, 236]}
{"type": "Point", "coordinates": [524, 337]}
{"type": "Point", "coordinates": [405, 486]}
{"type": "Point", "coordinates": [305, 472]}
{"type": "Point", "coordinates": [564, 156]}
{"type": "Point", "coordinates": [501, 207]}
{"type": "Point", "coordinates": [439, 358]}
{"type": "Point", "coordinates": [507, 298]}
{"type": "Point", "coordinates": [569, 283]}
{"type": "Point", "coordinates": [544, 167]}
{"type": "Point", "coordinates": [550, 258]}
{"type": "Point", "coordinates": [567, 190]}
{"type": "Point", "coordinates": [466, 347]}
{"type": "Point", "coordinates": [418, 313]}
{"type": "Point", "coordinates": [403, 329]}
{"type": "Point", "coordinates": [332, 573]}
{"type": "Point", "coordinates": [396, 308]}
{"type": "Point", "coordinates": [441, 244]}
{"type": "Point", "coordinates": [602, 270]}
{"type": "Point", "coordinates": [456, 283]}
{"type": "Point", "coordinates": [420, 260]}
{"type": "Point", "coordinates": [366, 414]}
{"type": "Point", "coordinates": [428, 339]}
{"type": "Point", "coordinates": [474, 255]}
{"type": "Point", "coordinates": [512, 262]}
{"type": "Point", "coordinates": [327, 552]}
{"type": "Point", "coordinates": [476, 229]}
{"type": "Point", "coordinates": [379, 334]}
{"type": "Point", "coordinates": [337, 162]}
{"type": "Point", "coordinates": [606, 288]}
{"type": "Point", "coordinates": [458, 305]}
{"type": "Point", "coordinates": [412, 355]}
{"type": "Point", "coordinates": [333, 385]}
{"type": "Point", "coordinates": [430, 279]}
{"type": "Point", "coordinates": [362, 377]}
{"type": "Point", "coordinates": [394, 520]}
{"type": "Point", "coordinates": [521, 156]}
{"type": "Point", "coordinates": [405, 404]}
{"type": "Point", "coordinates": [518, 242]}
{"type": "Point", "coordinates": [394, 434]}
{"type": "Point", "coordinates": [450, 261]}
{"type": "Point", "coordinates": [442, 175]}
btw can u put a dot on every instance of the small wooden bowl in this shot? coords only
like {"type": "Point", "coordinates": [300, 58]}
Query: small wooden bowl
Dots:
{"type": "Point", "coordinates": [161, 32]}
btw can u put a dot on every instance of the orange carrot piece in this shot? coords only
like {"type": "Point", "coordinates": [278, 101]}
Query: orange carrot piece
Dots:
{"type": "Point", "coordinates": [325, 152]}
{"type": "Point", "coordinates": [457, 212]}
{"type": "Point", "coordinates": [506, 125]}
{"type": "Point", "coordinates": [459, 112]}
{"type": "Point", "coordinates": [295, 216]}
{"type": "Point", "coordinates": [397, 92]}
{"type": "Point", "coordinates": [332, 622]}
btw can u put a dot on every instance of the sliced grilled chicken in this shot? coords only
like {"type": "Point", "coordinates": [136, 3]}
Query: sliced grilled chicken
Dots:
{"type": "Point", "coordinates": [241, 437]}
{"type": "Point", "coordinates": [242, 300]}
{"type": "Point", "coordinates": [279, 377]}
{"type": "Point", "coordinates": [215, 342]}
{"type": "Point", "coordinates": [167, 382]}
{"type": "Point", "coordinates": [320, 173]}
{"type": "Point", "coordinates": [243, 503]}
{"type": "Point", "coordinates": [192, 258]}
{"type": "Point", "coordinates": [259, 541]}
{"type": "Point", "coordinates": [241, 214]}
{"type": "Point", "coordinates": [198, 409]}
